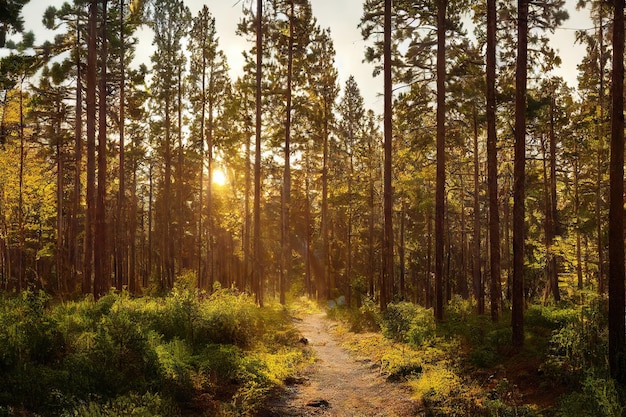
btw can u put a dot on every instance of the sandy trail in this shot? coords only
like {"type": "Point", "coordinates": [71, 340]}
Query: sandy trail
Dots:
{"type": "Point", "coordinates": [337, 385]}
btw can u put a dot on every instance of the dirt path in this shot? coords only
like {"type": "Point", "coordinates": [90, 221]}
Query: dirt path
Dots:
{"type": "Point", "coordinates": [337, 385]}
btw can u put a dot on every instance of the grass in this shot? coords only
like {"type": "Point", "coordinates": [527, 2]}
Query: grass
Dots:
{"type": "Point", "coordinates": [187, 352]}
{"type": "Point", "coordinates": [468, 366]}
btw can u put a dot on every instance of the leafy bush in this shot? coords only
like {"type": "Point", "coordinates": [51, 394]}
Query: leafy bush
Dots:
{"type": "Point", "coordinates": [581, 344]}
{"type": "Point", "coordinates": [119, 355]}
{"type": "Point", "coordinates": [407, 322]}
{"type": "Point", "coordinates": [133, 404]}
{"type": "Point", "coordinates": [599, 397]}
{"type": "Point", "coordinates": [551, 317]}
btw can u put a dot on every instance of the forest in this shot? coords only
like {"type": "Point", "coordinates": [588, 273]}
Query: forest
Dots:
{"type": "Point", "coordinates": [160, 221]}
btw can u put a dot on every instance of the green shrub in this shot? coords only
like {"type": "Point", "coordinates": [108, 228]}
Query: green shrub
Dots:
{"type": "Point", "coordinates": [599, 397]}
{"type": "Point", "coordinates": [407, 322]}
{"type": "Point", "coordinates": [229, 318]}
{"type": "Point", "coordinates": [133, 404]}
{"type": "Point", "coordinates": [551, 317]}
{"type": "Point", "coordinates": [581, 344]}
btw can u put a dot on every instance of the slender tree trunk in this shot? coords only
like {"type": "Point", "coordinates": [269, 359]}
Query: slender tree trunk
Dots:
{"type": "Point", "coordinates": [91, 149]}
{"type": "Point", "coordinates": [307, 250]}
{"type": "Point", "coordinates": [121, 249]}
{"type": "Point", "coordinates": [441, 159]}
{"type": "Point", "coordinates": [600, 157]}
{"type": "Point", "coordinates": [477, 277]}
{"type": "Point", "coordinates": [507, 238]}
{"type": "Point", "coordinates": [150, 265]}
{"type": "Point", "coordinates": [463, 282]}
{"type": "Point", "coordinates": [370, 233]}
{"type": "Point", "coordinates": [200, 275]}
{"type": "Point", "coordinates": [549, 237]}
{"type": "Point", "coordinates": [286, 209]}
{"type": "Point", "coordinates": [387, 275]}
{"type": "Point", "coordinates": [101, 278]}
{"type": "Point", "coordinates": [554, 221]}
{"type": "Point", "coordinates": [247, 223]}
{"type": "Point", "coordinates": [258, 248]}
{"type": "Point", "coordinates": [60, 249]}
{"type": "Point", "coordinates": [133, 285]}
{"type": "Point", "coordinates": [20, 207]}
{"type": "Point", "coordinates": [402, 252]}
{"type": "Point", "coordinates": [617, 299]}
{"type": "Point", "coordinates": [521, 71]}
{"type": "Point", "coordinates": [492, 165]}
{"type": "Point", "coordinates": [78, 156]}
{"type": "Point", "coordinates": [210, 258]}
{"type": "Point", "coordinates": [180, 167]}
{"type": "Point", "coordinates": [429, 261]}
{"type": "Point", "coordinates": [576, 174]}
{"type": "Point", "coordinates": [327, 281]}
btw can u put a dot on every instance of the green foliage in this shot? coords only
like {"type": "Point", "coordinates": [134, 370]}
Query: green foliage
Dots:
{"type": "Point", "coordinates": [408, 322]}
{"type": "Point", "coordinates": [133, 404]}
{"type": "Point", "coordinates": [599, 397]}
{"type": "Point", "coordinates": [140, 356]}
{"type": "Point", "coordinates": [580, 344]}
{"type": "Point", "coordinates": [366, 318]}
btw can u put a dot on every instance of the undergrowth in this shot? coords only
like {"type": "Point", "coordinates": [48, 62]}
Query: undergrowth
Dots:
{"type": "Point", "coordinates": [467, 365]}
{"type": "Point", "coordinates": [188, 352]}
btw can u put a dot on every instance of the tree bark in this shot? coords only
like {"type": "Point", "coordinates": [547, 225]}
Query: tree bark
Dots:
{"type": "Point", "coordinates": [492, 165]}
{"type": "Point", "coordinates": [617, 337]}
{"type": "Point", "coordinates": [387, 275]}
{"type": "Point", "coordinates": [519, 175]}
{"type": "Point", "coordinates": [91, 148]}
{"type": "Point", "coordinates": [101, 278]}
{"type": "Point", "coordinates": [441, 160]}
{"type": "Point", "coordinates": [258, 267]}
{"type": "Point", "coordinates": [286, 209]}
{"type": "Point", "coordinates": [121, 241]}
{"type": "Point", "coordinates": [477, 278]}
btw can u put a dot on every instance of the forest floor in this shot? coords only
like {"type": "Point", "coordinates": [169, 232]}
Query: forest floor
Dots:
{"type": "Point", "coordinates": [339, 385]}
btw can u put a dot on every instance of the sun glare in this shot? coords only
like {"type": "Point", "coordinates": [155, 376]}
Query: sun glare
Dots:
{"type": "Point", "coordinates": [219, 177]}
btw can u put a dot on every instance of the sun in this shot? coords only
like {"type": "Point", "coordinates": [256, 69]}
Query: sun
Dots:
{"type": "Point", "coordinates": [219, 177]}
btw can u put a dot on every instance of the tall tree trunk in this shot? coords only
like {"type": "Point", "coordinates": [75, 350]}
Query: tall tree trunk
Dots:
{"type": "Point", "coordinates": [258, 249]}
{"type": "Point", "coordinates": [247, 224]}
{"type": "Point", "coordinates": [370, 230]}
{"type": "Point", "coordinates": [600, 157]}
{"type": "Point", "coordinates": [463, 283]}
{"type": "Point", "coordinates": [200, 275]}
{"type": "Point", "coordinates": [78, 155]}
{"type": "Point", "coordinates": [492, 165]}
{"type": "Point", "coordinates": [101, 277]}
{"type": "Point", "coordinates": [60, 249]}
{"type": "Point", "coordinates": [387, 275]}
{"type": "Point", "coordinates": [549, 237]}
{"type": "Point", "coordinates": [179, 180]}
{"type": "Point", "coordinates": [307, 250]}
{"type": "Point", "coordinates": [210, 256]}
{"type": "Point", "coordinates": [576, 175]}
{"type": "Point", "coordinates": [477, 278]}
{"type": "Point", "coordinates": [402, 252]}
{"type": "Point", "coordinates": [441, 159]}
{"type": "Point", "coordinates": [91, 148]}
{"type": "Point", "coordinates": [150, 263]}
{"type": "Point", "coordinates": [121, 244]}
{"type": "Point", "coordinates": [326, 284]}
{"type": "Point", "coordinates": [519, 174]}
{"type": "Point", "coordinates": [617, 322]}
{"type": "Point", "coordinates": [553, 219]}
{"type": "Point", "coordinates": [349, 225]}
{"type": "Point", "coordinates": [20, 209]}
{"type": "Point", "coordinates": [286, 234]}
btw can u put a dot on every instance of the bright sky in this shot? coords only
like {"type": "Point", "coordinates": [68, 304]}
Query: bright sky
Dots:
{"type": "Point", "coordinates": [342, 17]}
